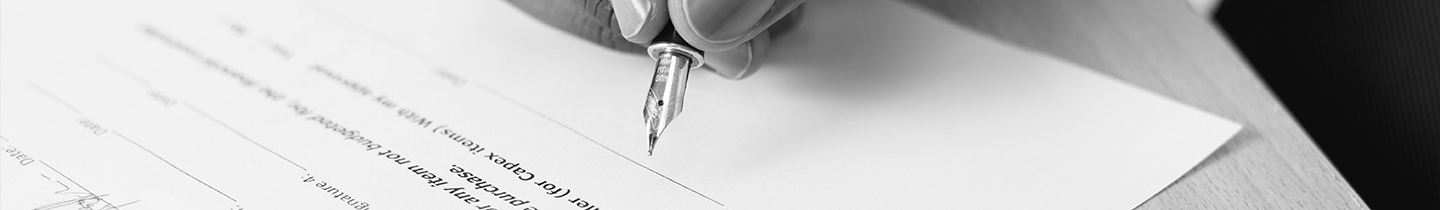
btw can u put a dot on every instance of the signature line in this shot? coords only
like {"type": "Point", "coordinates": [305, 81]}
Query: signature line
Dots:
{"type": "Point", "coordinates": [247, 138]}
{"type": "Point", "coordinates": [124, 71]}
{"type": "Point", "coordinates": [77, 184]}
{"type": "Point", "coordinates": [172, 165]}
{"type": "Point", "coordinates": [117, 133]}
{"type": "Point", "coordinates": [53, 97]}
{"type": "Point", "coordinates": [143, 82]}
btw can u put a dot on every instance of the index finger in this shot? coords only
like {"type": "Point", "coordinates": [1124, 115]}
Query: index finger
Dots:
{"type": "Point", "coordinates": [640, 20]}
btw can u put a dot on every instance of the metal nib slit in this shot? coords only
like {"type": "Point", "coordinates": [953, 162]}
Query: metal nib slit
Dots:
{"type": "Point", "coordinates": [653, 139]}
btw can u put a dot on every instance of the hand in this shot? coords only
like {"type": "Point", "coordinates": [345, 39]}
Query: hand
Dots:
{"type": "Point", "coordinates": [734, 34]}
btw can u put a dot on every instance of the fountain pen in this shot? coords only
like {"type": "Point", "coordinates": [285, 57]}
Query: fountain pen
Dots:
{"type": "Point", "coordinates": [673, 60]}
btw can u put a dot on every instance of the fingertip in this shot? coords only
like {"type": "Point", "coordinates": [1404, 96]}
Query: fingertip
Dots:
{"type": "Point", "coordinates": [742, 60]}
{"type": "Point", "coordinates": [640, 20]}
{"type": "Point", "coordinates": [719, 25]}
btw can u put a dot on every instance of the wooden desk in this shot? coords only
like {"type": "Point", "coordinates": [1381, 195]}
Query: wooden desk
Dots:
{"type": "Point", "coordinates": [1165, 47]}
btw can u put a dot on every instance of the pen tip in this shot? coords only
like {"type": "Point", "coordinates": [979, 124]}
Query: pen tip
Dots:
{"type": "Point", "coordinates": [653, 139]}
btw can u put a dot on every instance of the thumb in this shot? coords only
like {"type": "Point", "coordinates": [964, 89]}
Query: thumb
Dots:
{"type": "Point", "coordinates": [718, 25]}
{"type": "Point", "coordinates": [742, 60]}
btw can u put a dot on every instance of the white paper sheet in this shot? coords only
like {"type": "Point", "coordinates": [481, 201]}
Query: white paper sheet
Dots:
{"type": "Point", "coordinates": [148, 104]}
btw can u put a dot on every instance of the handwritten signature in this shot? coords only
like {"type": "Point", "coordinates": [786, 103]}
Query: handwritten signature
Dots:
{"type": "Point", "coordinates": [86, 202]}
{"type": "Point", "coordinates": [82, 201]}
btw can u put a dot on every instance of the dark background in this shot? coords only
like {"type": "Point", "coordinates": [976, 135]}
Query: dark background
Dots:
{"type": "Point", "coordinates": [1363, 78]}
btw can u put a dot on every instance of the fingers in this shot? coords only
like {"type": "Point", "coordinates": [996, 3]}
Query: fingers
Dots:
{"type": "Point", "coordinates": [735, 34]}
{"type": "Point", "coordinates": [742, 60]}
{"type": "Point", "coordinates": [719, 25]}
{"type": "Point", "coordinates": [588, 19]}
{"type": "Point", "coordinates": [640, 20]}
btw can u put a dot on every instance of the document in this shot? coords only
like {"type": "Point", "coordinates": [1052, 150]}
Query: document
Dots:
{"type": "Point", "coordinates": [459, 104]}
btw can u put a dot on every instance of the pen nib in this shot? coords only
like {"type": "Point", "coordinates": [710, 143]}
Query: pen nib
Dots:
{"type": "Point", "coordinates": [653, 139]}
{"type": "Point", "coordinates": [673, 61]}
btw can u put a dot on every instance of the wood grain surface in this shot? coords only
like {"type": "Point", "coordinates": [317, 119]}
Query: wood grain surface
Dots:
{"type": "Point", "coordinates": [1165, 47]}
